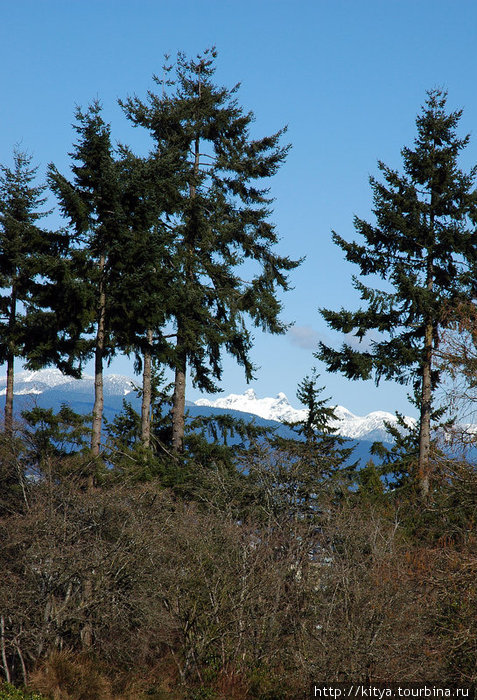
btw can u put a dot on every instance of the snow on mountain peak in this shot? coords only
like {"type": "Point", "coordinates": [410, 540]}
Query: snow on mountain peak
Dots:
{"type": "Point", "coordinates": [48, 377]}
{"type": "Point", "coordinates": [37, 382]}
{"type": "Point", "coordinates": [118, 384]}
{"type": "Point", "coordinates": [279, 409]}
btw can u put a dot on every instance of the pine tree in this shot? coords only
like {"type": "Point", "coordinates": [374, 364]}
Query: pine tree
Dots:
{"type": "Point", "coordinates": [221, 221]}
{"type": "Point", "coordinates": [144, 263]}
{"type": "Point", "coordinates": [26, 256]}
{"type": "Point", "coordinates": [318, 459]}
{"type": "Point", "coordinates": [422, 246]}
{"type": "Point", "coordinates": [93, 204]}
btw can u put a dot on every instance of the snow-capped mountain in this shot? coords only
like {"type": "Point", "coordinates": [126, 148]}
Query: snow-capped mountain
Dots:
{"type": "Point", "coordinates": [277, 409]}
{"type": "Point", "coordinates": [50, 388]}
{"type": "Point", "coordinates": [35, 382]}
{"type": "Point", "coordinates": [362, 427]}
{"type": "Point", "coordinates": [369, 427]}
{"type": "Point", "coordinates": [44, 380]}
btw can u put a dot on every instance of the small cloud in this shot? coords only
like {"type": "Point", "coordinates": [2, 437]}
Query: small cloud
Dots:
{"type": "Point", "coordinates": [307, 338]}
{"type": "Point", "coordinates": [303, 337]}
{"type": "Point", "coordinates": [366, 343]}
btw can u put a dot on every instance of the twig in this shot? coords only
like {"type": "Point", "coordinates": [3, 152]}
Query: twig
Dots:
{"type": "Point", "coordinates": [4, 654]}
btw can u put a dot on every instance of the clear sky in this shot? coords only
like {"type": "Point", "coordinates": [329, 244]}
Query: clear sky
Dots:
{"type": "Point", "coordinates": [348, 77]}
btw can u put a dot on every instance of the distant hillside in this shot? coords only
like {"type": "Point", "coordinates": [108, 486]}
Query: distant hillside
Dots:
{"type": "Point", "coordinates": [51, 389]}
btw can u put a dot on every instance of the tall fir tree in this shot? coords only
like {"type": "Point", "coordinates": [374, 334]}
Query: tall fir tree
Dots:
{"type": "Point", "coordinates": [318, 460]}
{"type": "Point", "coordinates": [423, 247]}
{"type": "Point", "coordinates": [92, 202]}
{"type": "Point", "coordinates": [221, 221]}
{"type": "Point", "coordinates": [144, 263]}
{"type": "Point", "coordinates": [27, 256]}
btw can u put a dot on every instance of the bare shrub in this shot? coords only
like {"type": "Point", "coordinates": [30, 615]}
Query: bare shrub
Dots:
{"type": "Point", "coordinates": [63, 676]}
{"type": "Point", "coordinates": [184, 595]}
{"type": "Point", "coordinates": [369, 611]}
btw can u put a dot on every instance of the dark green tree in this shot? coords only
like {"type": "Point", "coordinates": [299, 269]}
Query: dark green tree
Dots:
{"type": "Point", "coordinates": [318, 460]}
{"type": "Point", "coordinates": [55, 444]}
{"type": "Point", "coordinates": [27, 255]}
{"type": "Point", "coordinates": [144, 263]}
{"type": "Point", "coordinates": [224, 265]}
{"type": "Point", "coordinates": [127, 453]}
{"type": "Point", "coordinates": [423, 247]}
{"type": "Point", "coordinates": [92, 202]}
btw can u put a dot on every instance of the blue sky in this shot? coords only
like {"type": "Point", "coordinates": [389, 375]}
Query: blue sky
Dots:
{"type": "Point", "coordinates": [348, 77]}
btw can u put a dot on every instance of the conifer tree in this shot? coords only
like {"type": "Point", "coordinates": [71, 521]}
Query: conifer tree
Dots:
{"type": "Point", "coordinates": [144, 264]}
{"type": "Point", "coordinates": [423, 247]}
{"type": "Point", "coordinates": [221, 221]}
{"type": "Point", "coordinates": [93, 205]}
{"type": "Point", "coordinates": [318, 459]}
{"type": "Point", "coordinates": [26, 253]}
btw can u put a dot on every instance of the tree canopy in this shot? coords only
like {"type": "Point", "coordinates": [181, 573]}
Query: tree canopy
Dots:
{"type": "Point", "coordinates": [224, 263]}
{"type": "Point", "coordinates": [423, 247]}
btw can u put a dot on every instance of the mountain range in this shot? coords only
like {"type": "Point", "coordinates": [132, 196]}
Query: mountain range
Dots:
{"type": "Point", "coordinates": [49, 388]}
{"type": "Point", "coordinates": [368, 427]}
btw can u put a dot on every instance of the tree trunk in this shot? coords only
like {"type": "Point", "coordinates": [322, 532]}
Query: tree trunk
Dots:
{"type": "Point", "coordinates": [98, 365]}
{"type": "Point", "coordinates": [146, 393]}
{"type": "Point", "coordinates": [10, 369]}
{"type": "Point", "coordinates": [9, 398]}
{"type": "Point", "coordinates": [178, 406]}
{"type": "Point", "coordinates": [425, 417]}
{"type": "Point", "coordinates": [426, 397]}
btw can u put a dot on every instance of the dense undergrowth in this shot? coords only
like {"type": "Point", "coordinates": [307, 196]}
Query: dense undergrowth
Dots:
{"type": "Point", "coordinates": [234, 573]}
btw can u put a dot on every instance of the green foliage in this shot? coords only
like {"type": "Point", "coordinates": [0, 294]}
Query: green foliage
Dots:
{"type": "Point", "coordinates": [92, 204]}
{"type": "Point", "coordinates": [370, 485]}
{"type": "Point", "coordinates": [319, 415]}
{"type": "Point", "coordinates": [9, 692]}
{"type": "Point", "coordinates": [398, 463]}
{"type": "Point", "coordinates": [222, 438]}
{"type": "Point", "coordinates": [26, 251]}
{"type": "Point", "coordinates": [317, 461]}
{"type": "Point", "coordinates": [423, 250]}
{"type": "Point", "coordinates": [143, 260]}
{"type": "Point", "coordinates": [128, 459]}
{"type": "Point", "coordinates": [125, 453]}
{"type": "Point", "coordinates": [28, 269]}
{"type": "Point", "coordinates": [225, 269]}
{"type": "Point", "coordinates": [421, 247]}
{"type": "Point", "coordinates": [13, 481]}
{"type": "Point", "coordinates": [56, 443]}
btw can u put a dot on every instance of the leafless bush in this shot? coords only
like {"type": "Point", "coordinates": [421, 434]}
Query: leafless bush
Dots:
{"type": "Point", "coordinates": [185, 594]}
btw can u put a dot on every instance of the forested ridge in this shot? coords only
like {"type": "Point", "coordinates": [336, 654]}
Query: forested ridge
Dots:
{"type": "Point", "coordinates": [154, 556]}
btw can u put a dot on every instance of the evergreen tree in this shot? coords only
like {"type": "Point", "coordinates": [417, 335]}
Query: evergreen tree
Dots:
{"type": "Point", "coordinates": [93, 204]}
{"type": "Point", "coordinates": [221, 221]}
{"type": "Point", "coordinates": [144, 264]}
{"type": "Point", "coordinates": [422, 246]}
{"type": "Point", "coordinates": [27, 255]}
{"type": "Point", "coordinates": [54, 444]}
{"type": "Point", "coordinates": [318, 460]}
{"type": "Point", "coordinates": [127, 453]}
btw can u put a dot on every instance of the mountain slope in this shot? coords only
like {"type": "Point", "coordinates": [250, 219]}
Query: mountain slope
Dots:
{"type": "Point", "coordinates": [369, 427]}
{"type": "Point", "coordinates": [50, 388]}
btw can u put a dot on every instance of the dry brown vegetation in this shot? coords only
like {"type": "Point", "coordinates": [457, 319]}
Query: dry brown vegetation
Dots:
{"type": "Point", "coordinates": [130, 591]}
